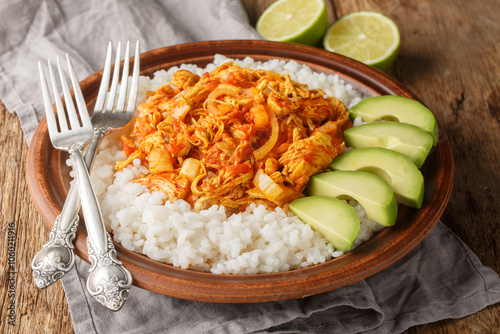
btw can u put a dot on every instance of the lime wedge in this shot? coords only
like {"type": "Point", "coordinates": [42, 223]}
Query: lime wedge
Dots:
{"type": "Point", "coordinates": [295, 21]}
{"type": "Point", "coordinates": [368, 37]}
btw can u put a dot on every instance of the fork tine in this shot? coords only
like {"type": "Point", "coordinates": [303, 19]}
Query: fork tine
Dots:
{"type": "Point", "coordinates": [122, 96]}
{"type": "Point", "coordinates": [103, 88]}
{"type": "Point", "coordinates": [114, 82]}
{"type": "Point", "coordinates": [70, 106]}
{"type": "Point", "coordinates": [49, 111]}
{"type": "Point", "coordinates": [135, 80]}
{"type": "Point", "coordinates": [61, 115]}
{"type": "Point", "coordinates": [80, 101]}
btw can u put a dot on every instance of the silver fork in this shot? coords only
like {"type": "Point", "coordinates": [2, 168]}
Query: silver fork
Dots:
{"type": "Point", "coordinates": [111, 111]}
{"type": "Point", "coordinates": [109, 282]}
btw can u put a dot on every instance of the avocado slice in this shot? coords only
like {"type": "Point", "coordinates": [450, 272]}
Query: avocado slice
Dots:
{"type": "Point", "coordinates": [404, 138]}
{"type": "Point", "coordinates": [396, 108]}
{"type": "Point", "coordinates": [395, 168]}
{"type": "Point", "coordinates": [333, 218]}
{"type": "Point", "coordinates": [372, 192]}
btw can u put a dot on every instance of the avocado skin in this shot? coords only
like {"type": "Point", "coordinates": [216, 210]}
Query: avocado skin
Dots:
{"type": "Point", "coordinates": [333, 218]}
{"type": "Point", "coordinates": [395, 168]}
{"type": "Point", "coordinates": [396, 108]}
{"type": "Point", "coordinates": [404, 138]}
{"type": "Point", "coordinates": [372, 192]}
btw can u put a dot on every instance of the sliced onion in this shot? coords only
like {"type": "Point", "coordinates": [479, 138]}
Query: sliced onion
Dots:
{"type": "Point", "coordinates": [222, 89]}
{"type": "Point", "coordinates": [159, 161]}
{"type": "Point", "coordinates": [190, 168]}
{"type": "Point", "coordinates": [260, 115]}
{"type": "Point", "coordinates": [266, 185]}
{"type": "Point", "coordinates": [181, 109]}
{"type": "Point", "coordinates": [224, 147]}
{"type": "Point", "coordinates": [268, 146]}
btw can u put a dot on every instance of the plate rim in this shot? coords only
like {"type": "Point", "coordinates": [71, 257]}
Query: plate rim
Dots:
{"type": "Point", "coordinates": [187, 284]}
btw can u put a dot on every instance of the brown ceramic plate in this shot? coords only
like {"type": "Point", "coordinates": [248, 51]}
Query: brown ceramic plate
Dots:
{"type": "Point", "coordinates": [49, 182]}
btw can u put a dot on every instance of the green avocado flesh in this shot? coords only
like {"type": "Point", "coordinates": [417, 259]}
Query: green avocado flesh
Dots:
{"type": "Point", "coordinates": [407, 139]}
{"type": "Point", "coordinates": [333, 218]}
{"type": "Point", "coordinates": [396, 108]}
{"type": "Point", "coordinates": [397, 169]}
{"type": "Point", "coordinates": [372, 192]}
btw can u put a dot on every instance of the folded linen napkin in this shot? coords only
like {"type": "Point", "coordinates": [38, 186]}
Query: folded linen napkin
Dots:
{"type": "Point", "coordinates": [441, 278]}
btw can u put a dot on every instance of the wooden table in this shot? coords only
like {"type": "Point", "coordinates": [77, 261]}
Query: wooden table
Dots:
{"type": "Point", "coordinates": [450, 57]}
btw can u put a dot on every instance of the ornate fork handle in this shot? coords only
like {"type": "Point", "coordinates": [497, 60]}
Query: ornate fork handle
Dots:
{"type": "Point", "coordinates": [56, 257]}
{"type": "Point", "coordinates": [69, 130]}
{"type": "Point", "coordinates": [109, 282]}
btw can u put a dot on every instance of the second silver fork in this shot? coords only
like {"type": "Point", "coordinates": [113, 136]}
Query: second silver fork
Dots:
{"type": "Point", "coordinates": [112, 110]}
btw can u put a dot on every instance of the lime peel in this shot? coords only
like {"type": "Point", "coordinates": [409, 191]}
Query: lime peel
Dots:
{"type": "Point", "coordinates": [294, 21]}
{"type": "Point", "coordinates": [369, 37]}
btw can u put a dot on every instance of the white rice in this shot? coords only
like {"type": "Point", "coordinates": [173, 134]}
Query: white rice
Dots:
{"type": "Point", "coordinates": [256, 241]}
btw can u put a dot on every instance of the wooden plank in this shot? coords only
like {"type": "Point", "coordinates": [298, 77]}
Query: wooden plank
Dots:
{"type": "Point", "coordinates": [34, 310]}
{"type": "Point", "coordinates": [449, 58]}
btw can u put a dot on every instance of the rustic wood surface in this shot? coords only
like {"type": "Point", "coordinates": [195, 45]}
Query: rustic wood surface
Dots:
{"type": "Point", "coordinates": [449, 57]}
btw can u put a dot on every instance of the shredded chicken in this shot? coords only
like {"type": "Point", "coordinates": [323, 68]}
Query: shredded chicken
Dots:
{"type": "Point", "coordinates": [234, 136]}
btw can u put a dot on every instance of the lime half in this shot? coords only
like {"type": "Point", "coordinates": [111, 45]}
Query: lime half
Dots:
{"type": "Point", "coordinates": [368, 37]}
{"type": "Point", "coordinates": [296, 21]}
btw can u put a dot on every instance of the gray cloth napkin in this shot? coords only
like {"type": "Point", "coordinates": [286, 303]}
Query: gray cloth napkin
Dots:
{"type": "Point", "coordinates": [441, 278]}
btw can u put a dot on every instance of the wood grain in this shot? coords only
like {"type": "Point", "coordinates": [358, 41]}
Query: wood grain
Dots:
{"type": "Point", "coordinates": [449, 57]}
{"type": "Point", "coordinates": [36, 311]}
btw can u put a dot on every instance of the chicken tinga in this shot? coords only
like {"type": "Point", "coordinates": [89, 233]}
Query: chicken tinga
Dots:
{"type": "Point", "coordinates": [205, 176]}
{"type": "Point", "coordinates": [234, 136]}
